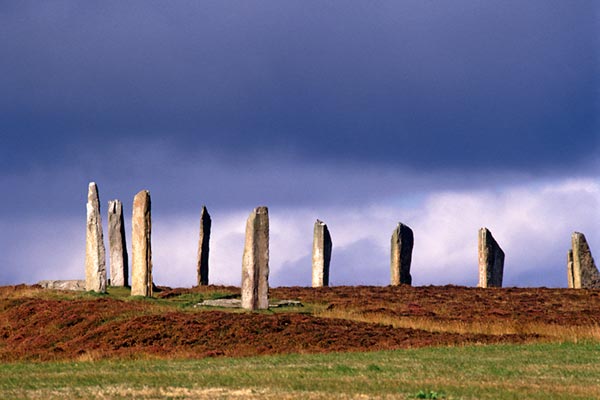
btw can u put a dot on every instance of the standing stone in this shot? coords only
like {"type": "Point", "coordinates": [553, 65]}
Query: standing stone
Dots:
{"type": "Point", "coordinates": [255, 262]}
{"type": "Point", "coordinates": [95, 253]}
{"type": "Point", "coordinates": [582, 266]}
{"type": "Point", "coordinates": [321, 255]}
{"type": "Point", "coordinates": [491, 260]}
{"type": "Point", "coordinates": [203, 247]}
{"type": "Point", "coordinates": [570, 272]}
{"type": "Point", "coordinates": [141, 250]}
{"type": "Point", "coordinates": [401, 258]}
{"type": "Point", "coordinates": [118, 249]}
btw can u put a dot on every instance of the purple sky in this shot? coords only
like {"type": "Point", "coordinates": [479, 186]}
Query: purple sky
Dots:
{"type": "Point", "coordinates": [363, 114]}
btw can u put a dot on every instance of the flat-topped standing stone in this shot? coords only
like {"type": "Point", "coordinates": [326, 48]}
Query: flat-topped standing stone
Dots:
{"type": "Point", "coordinates": [95, 253]}
{"type": "Point", "coordinates": [141, 250]}
{"type": "Point", "coordinates": [401, 257]}
{"type": "Point", "coordinates": [583, 268]}
{"type": "Point", "coordinates": [203, 247]}
{"type": "Point", "coordinates": [255, 262]}
{"type": "Point", "coordinates": [321, 254]}
{"type": "Point", "coordinates": [119, 275]}
{"type": "Point", "coordinates": [491, 260]}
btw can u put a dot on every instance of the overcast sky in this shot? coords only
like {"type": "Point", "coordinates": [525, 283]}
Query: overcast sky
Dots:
{"type": "Point", "coordinates": [446, 117]}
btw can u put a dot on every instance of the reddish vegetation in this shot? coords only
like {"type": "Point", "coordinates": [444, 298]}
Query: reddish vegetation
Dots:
{"type": "Point", "coordinates": [36, 327]}
{"type": "Point", "coordinates": [455, 303]}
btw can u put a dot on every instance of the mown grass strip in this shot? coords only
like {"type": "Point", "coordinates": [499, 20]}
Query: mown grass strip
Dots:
{"type": "Point", "coordinates": [538, 371]}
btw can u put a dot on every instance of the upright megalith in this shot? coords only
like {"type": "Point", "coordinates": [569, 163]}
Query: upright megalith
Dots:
{"type": "Point", "coordinates": [119, 275]}
{"type": "Point", "coordinates": [321, 254]}
{"type": "Point", "coordinates": [570, 272]}
{"type": "Point", "coordinates": [141, 250]}
{"type": "Point", "coordinates": [581, 267]}
{"type": "Point", "coordinates": [401, 255]}
{"type": "Point", "coordinates": [203, 247]}
{"type": "Point", "coordinates": [491, 260]}
{"type": "Point", "coordinates": [255, 262]}
{"type": "Point", "coordinates": [95, 253]}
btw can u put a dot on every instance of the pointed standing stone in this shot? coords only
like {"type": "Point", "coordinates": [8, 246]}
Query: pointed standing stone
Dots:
{"type": "Point", "coordinates": [203, 247]}
{"type": "Point", "coordinates": [491, 260]}
{"type": "Point", "coordinates": [141, 250]}
{"type": "Point", "coordinates": [95, 253]}
{"type": "Point", "coordinates": [321, 255]}
{"type": "Point", "coordinates": [401, 258]}
{"type": "Point", "coordinates": [255, 262]}
{"type": "Point", "coordinates": [119, 275]}
{"type": "Point", "coordinates": [584, 271]}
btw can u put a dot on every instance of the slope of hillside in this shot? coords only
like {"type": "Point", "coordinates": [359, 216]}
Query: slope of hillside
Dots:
{"type": "Point", "coordinates": [38, 324]}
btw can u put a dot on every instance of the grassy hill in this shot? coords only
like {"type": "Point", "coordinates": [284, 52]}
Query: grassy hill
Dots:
{"type": "Point", "coordinates": [346, 342]}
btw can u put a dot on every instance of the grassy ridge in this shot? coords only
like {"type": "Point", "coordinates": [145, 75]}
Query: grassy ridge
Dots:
{"type": "Point", "coordinates": [537, 371]}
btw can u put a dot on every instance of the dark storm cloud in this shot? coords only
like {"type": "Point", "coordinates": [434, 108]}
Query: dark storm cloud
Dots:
{"type": "Point", "coordinates": [422, 84]}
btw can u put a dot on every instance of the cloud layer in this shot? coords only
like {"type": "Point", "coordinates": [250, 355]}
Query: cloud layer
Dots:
{"type": "Point", "coordinates": [532, 223]}
{"type": "Point", "coordinates": [446, 118]}
{"type": "Point", "coordinates": [410, 83]}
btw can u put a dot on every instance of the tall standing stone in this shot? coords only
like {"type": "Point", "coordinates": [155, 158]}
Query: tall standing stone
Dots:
{"type": "Point", "coordinates": [321, 254]}
{"type": "Point", "coordinates": [570, 272]}
{"type": "Point", "coordinates": [491, 260]}
{"type": "Point", "coordinates": [255, 261]}
{"type": "Point", "coordinates": [203, 247]}
{"type": "Point", "coordinates": [582, 266]}
{"type": "Point", "coordinates": [401, 255]}
{"type": "Point", "coordinates": [119, 275]}
{"type": "Point", "coordinates": [141, 250]}
{"type": "Point", "coordinates": [95, 253]}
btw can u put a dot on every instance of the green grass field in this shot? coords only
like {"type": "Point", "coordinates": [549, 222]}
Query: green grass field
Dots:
{"type": "Point", "coordinates": [538, 371]}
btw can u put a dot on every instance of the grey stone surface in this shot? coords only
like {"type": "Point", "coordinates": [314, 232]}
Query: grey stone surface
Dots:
{"type": "Point", "coordinates": [584, 271]}
{"type": "Point", "coordinates": [73, 284]}
{"type": "Point", "coordinates": [401, 255]}
{"type": "Point", "coordinates": [237, 303]}
{"type": "Point", "coordinates": [95, 252]}
{"type": "Point", "coordinates": [119, 265]}
{"type": "Point", "coordinates": [203, 247]}
{"type": "Point", "coordinates": [255, 261]}
{"type": "Point", "coordinates": [321, 254]}
{"type": "Point", "coordinates": [141, 248]}
{"type": "Point", "coordinates": [491, 260]}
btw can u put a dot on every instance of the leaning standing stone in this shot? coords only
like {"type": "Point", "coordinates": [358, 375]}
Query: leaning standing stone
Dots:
{"type": "Point", "coordinates": [321, 255]}
{"type": "Point", "coordinates": [255, 262]}
{"type": "Point", "coordinates": [401, 257]}
{"type": "Point", "coordinates": [141, 250]}
{"type": "Point", "coordinates": [95, 253]}
{"type": "Point", "coordinates": [118, 249]}
{"type": "Point", "coordinates": [491, 260]}
{"type": "Point", "coordinates": [584, 271]}
{"type": "Point", "coordinates": [203, 247]}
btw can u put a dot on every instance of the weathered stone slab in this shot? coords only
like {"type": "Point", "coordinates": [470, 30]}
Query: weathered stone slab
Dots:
{"type": "Point", "coordinates": [491, 260]}
{"type": "Point", "coordinates": [401, 255]}
{"type": "Point", "coordinates": [255, 261]}
{"type": "Point", "coordinates": [95, 253]}
{"type": "Point", "coordinates": [72, 284]}
{"type": "Point", "coordinates": [237, 303]}
{"type": "Point", "coordinates": [141, 248]}
{"type": "Point", "coordinates": [581, 264]}
{"type": "Point", "coordinates": [203, 247]}
{"type": "Point", "coordinates": [321, 254]}
{"type": "Point", "coordinates": [119, 274]}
